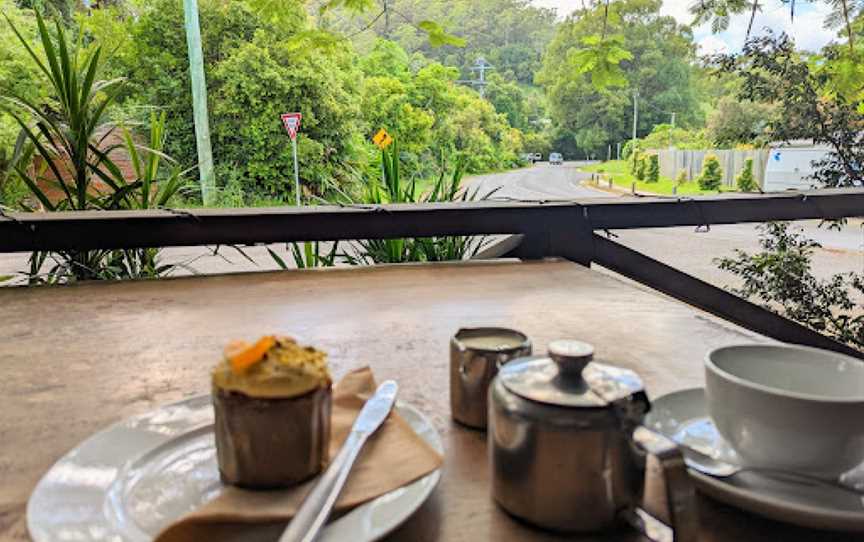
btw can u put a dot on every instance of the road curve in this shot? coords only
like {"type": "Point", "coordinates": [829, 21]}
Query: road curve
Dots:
{"type": "Point", "coordinates": [540, 181]}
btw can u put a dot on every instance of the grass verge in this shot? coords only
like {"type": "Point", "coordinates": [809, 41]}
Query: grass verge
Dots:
{"type": "Point", "coordinates": [619, 170]}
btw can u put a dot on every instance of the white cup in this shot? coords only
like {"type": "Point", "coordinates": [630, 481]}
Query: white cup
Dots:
{"type": "Point", "coordinates": [788, 407]}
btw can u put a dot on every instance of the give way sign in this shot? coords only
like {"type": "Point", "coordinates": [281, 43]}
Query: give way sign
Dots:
{"type": "Point", "coordinates": [291, 121]}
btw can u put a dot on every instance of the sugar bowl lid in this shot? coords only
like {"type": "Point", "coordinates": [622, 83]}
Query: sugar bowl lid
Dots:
{"type": "Point", "coordinates": [568, 377]}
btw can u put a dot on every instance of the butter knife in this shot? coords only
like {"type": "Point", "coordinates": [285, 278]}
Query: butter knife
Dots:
{"type": "Point", "coordinates": [319, 502]}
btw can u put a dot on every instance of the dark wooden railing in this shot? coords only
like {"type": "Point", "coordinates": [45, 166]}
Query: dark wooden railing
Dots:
{"type": "Point", "coordinates": [540, 228]}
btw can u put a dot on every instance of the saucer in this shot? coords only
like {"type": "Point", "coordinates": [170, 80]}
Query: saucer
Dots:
{"type": "Point", "coordinates": [683, 417]}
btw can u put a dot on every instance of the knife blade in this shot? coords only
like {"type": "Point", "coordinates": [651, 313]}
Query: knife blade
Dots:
{"type": "Point", "coordinates": [318, 504]}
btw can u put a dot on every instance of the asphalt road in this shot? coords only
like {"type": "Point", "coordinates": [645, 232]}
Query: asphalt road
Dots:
{"type": "Point", "coordinates": [682, 248]}
{"type": "Point", "coordinates": [540, 181]}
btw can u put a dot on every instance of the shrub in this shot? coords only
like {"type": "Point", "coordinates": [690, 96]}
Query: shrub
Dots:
{"type": "Point", "coordinates": [664, 135]}
{"type": "Point", "coordinates": [629, 149]}
{"type": "Point", "coordinates": [652, 168]}
{"type": "Point", "coordinates": [682, 178]}
{"type": "Point", "coordinates": [780, 278]}
{"type": "Point", "coordinates": [745, 180]}
{"type": "Point", "coordinates": [641, 167]}
{"type": "Point", "coordinates": [633, 161]}
{"type": "Point", "coordinates": [712, 174]}
{"type": "Point", "coordinates": [19, 75]}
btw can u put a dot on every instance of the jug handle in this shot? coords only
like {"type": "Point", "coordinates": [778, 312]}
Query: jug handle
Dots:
{"type": "Point", "coordinates": [668, 495]}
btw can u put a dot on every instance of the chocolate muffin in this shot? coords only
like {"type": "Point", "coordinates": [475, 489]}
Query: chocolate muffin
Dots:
{"type": "Point", "coordinates": [272, 406]}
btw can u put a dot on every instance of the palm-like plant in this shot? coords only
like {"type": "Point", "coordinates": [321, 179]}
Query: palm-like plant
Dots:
{"type": "Point", "coordinates": [21, 153]}
{"type": "Point", "coordinates": [153, 190]}
{"type": "Point", "coordinates": [70, 135]}
{"type": "Point", "coordinates": [393, 189]}
{"type": "Point", "coordinates": [72, 129]}
{"type": "Point", "coordinates": [441, 249]}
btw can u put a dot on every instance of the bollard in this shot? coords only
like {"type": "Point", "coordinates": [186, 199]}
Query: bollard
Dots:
{"type": "Point", "coordinates": [674, 190]}
{"type": "Point", "coordinates": [633, 188]}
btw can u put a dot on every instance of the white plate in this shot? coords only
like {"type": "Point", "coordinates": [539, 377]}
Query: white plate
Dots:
{"type": "Point", "coordinates": [129, 481]}
{"type": "Point", "coordinates": [683, 417]}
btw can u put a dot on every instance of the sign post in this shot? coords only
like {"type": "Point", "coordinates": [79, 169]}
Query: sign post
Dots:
{"type": "Point", "coordinates": [291, 121]}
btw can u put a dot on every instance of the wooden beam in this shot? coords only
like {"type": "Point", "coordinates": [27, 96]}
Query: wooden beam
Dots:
{"type": "Point", "coordinates": [550, 227]}
{"type": "Point", "coordinates": [725, 209]}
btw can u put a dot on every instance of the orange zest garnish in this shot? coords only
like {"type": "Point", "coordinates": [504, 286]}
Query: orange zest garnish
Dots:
{"type": "Point", "coordinates": [241, 356]}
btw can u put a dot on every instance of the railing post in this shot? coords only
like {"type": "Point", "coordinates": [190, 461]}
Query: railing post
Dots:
{"type": "Point", "coordinates": [565, 233]}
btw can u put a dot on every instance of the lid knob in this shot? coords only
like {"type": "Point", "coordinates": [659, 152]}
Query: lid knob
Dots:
{"type": "Point", "coordinates": [571, 357]}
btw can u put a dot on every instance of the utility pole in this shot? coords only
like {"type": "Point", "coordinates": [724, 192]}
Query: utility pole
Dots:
{"type": "Point", "coordinates": [673, 120]}
{"type": "Point", "coordinates": [635, 116]}
{"type": "Point", "coordinates": [481, 66]}
{"type": "Point", "coordinates": [199, 102]}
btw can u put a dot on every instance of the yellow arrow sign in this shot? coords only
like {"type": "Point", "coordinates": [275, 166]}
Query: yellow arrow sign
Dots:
{"type": "Point", "coordinates": [382, 139]}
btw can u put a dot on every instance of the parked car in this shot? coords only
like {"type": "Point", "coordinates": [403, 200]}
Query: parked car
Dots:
{"type": "Point", "coordinates": [556, 158]}
{"type": "Point", "coordinates": [537, 156]}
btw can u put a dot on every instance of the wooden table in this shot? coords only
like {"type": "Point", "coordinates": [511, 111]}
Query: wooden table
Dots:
{"type": "Point", "coordinates": [75, 359]}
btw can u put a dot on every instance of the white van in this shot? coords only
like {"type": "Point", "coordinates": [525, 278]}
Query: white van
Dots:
{"type": "Point", "coordinates": [790, 167]}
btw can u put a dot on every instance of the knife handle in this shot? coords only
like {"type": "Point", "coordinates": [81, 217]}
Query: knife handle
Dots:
{"type": "Point", "coordinates": [317, 505]}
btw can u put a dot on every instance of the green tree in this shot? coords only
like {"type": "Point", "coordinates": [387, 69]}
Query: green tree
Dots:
{"type": "Point", "coordinates": [665, 135]}
{"type": "Point", "coordinates": [256, 82]}
{"type": "Point", "coordinates": [652, 168]}
{"type": "Point", "coordinates": [386, 59]}
{"type": "Point", "coordinates": [661, 70]}
{"type": "Point", "coordinates": [429, 113]}
{"type": "Point", "coordinates": [510, 34]}
{"type": "Point", "coordinates": [158, 64]}
{"type": "Point", "coordinates": [257, 66]}
{"type": "Point", "coordinates": [817, 102]}
{"type": "Point", "coordinates": [745, 180]}
{"type": "Point", "coordinates": [735, 121]}
{"type": "Point", "coordinates": [712, 174]}
{"type": "Point", "coordinates": [775, 73]}
{"type": "Point", "coordinates": [508, 99]}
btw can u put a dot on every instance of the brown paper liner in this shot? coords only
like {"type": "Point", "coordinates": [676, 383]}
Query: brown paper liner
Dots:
{"type": "Point", "coordinates": [393, 457]}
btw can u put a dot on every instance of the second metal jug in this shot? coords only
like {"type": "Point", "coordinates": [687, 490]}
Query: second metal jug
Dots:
{"type": "Point", "coordinates": [476, 354]}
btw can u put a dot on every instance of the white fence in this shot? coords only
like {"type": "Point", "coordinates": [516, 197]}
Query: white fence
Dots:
{"type": "Point", "coordinates": [673, 161]}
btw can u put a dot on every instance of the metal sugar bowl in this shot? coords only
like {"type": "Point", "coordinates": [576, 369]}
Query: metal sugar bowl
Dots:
{"type": "Point", "coordinates": [568, 452]}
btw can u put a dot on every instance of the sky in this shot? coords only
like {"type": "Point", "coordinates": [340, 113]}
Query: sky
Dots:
{"type": "Point", "coordinates": [807, 27]}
